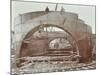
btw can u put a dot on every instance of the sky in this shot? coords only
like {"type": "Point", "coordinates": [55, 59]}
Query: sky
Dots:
{"type": "Point", "coordinates": [85, 12]}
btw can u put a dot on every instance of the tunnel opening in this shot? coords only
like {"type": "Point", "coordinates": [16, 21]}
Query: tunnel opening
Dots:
{"type": "Point", "coordinates": [49, 43]}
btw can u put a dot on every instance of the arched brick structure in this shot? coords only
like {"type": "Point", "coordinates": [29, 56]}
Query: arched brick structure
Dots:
{"type": "Point", "coordinates": [69, 21]}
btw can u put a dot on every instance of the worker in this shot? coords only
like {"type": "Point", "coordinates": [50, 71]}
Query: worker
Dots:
{"type": "Point", "coordinates": [47, 9]}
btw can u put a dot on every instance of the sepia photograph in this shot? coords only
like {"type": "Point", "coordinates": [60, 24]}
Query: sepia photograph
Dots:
{"type": "Point", "coordinates": [52, 37]}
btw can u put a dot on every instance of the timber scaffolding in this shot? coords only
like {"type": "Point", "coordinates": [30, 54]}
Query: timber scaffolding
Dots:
{"type": "Point", "coordinates": [31, 66]}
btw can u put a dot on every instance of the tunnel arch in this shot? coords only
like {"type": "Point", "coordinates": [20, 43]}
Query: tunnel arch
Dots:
{"type": "Point", "coordinates": [32, 31]}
